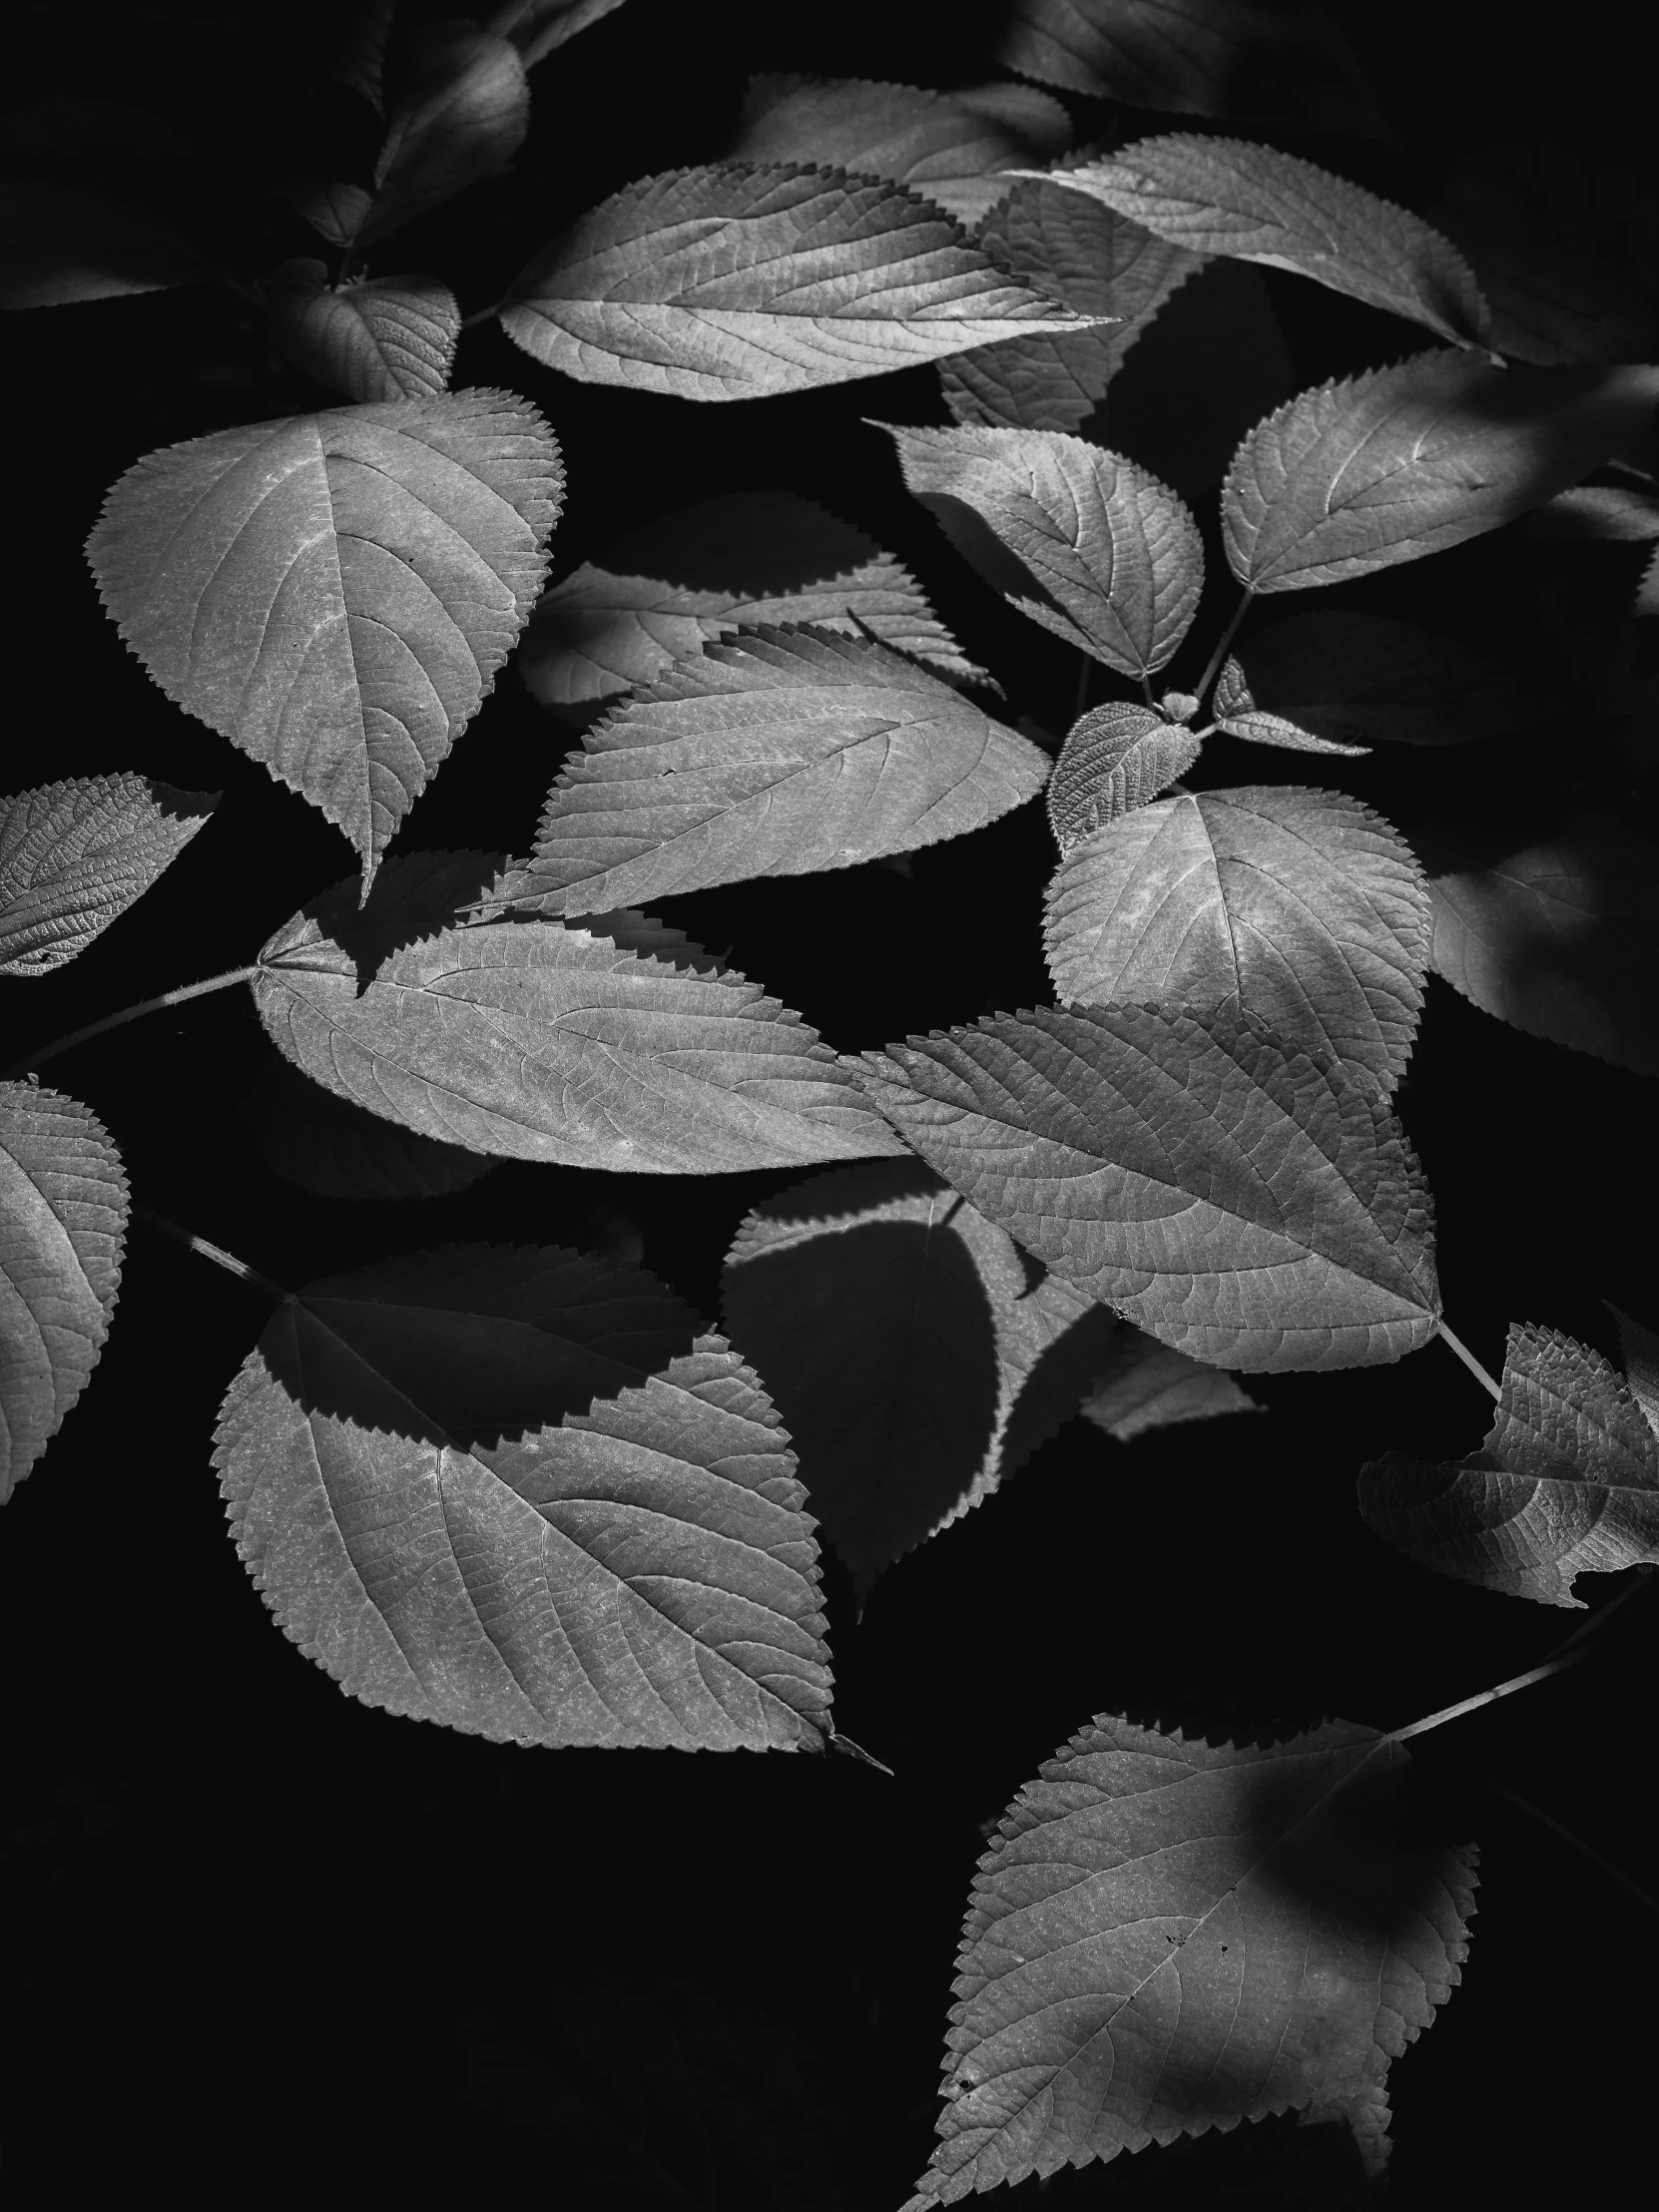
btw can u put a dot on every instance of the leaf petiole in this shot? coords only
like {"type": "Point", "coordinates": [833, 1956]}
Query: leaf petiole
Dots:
{"type": "Point", "coordinates": [1212, 669]}
{"type": "Point", "coordinates": [1469, 1359]}
{"type": "Point", "coordinates": [1541, 1673]}
{"type": "Point", "coordinates": [226, 1260]}
{"type": "Point", "coordinates": [50, 1051]}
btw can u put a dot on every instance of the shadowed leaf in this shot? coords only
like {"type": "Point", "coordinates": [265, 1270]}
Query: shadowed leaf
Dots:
{"type": "Point", "coordinates": [462, 115]}
{"type": "Point", "coordinates": [1145, 1386]}
{"type": "Point", "coordinates": [75, 855]}
{"type": "Point", "coordinates": [540, 27]}
{"type": "Point", "coordinates": [1236, 711]}
{"type": "Point", "coordinates": [335, 1149]}
{"type": "Point", "coordinates": [67, 243]}
{"type": "Point", "coordinates": [1115, 758]}
{"type": "Point", "coordinates": [1353, 677]}
{"type": "Point", "coordinates": [391, 338]}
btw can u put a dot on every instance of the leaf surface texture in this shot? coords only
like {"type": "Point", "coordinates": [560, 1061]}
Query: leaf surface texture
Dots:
{"type": "Point", "coordinates": [74, 857]}
{"type": "Point", "coordinates": [389, 338]}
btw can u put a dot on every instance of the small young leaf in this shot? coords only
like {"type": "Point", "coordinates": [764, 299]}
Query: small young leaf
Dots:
{"type": "Point", "coordinates": [542, 1040]}
{"type": "Point", "coordinates": [393, 337]}
{"type": "Point", "coordinates": [913, 1361]}
{"type": "Point", "coordinates": [462, 117]}
{"type": "Point", "coordinates": [1219, 196]}
{"type": "Point", "coordinates": [782, 752]}
{"type": "Point", "coordinates": [1082, 541]}
{"type": "Point", "coordinates": [509, 1492]}
{"type": "Point", "coordinates": [1077, 252]}
{"type": "Point", "coordinates": [1236, 712]}
{"type": "Point", "coordinates": [947, 145]}
{"type": "Point", "coordinates": [335, 1149]}
{"type": "Point", "coordinates": [731, 282]}
{"type": "Point", "coordinates": [1348, 676]}
{"type": "Point", "coordinates": [1246, 1203]}
{"type": "Point", "coordinates": [75, 855]}
{"type": "Point", "coordinates": [658, 593]}
{"type": "Point", "coordinates": [1146, 1386]}
{"type": "Point", "coordinates": [1567, 1484]}
{"type": "Point", "coordinates": [1116, 758]}
{"type": "Point", "coordinates": [1168, 1936]}
{"type": "Point", "coordinates": [63, 1227]}
{"type": "Point", "coordinates": [1403, 461]}
{"type": "Point", "coordinates": [1280, 63]}
{"type": "Point", "coordinates": [1301, 906]}
{"type": "Point", "coordinates": [335, 592]}
{"type": "Point", "coordinates": [67, 242]}
{"type": "Point", "coordinates": [335, 211]}
{"type": "Point", "coordinates": [1559, 937]}
{"type": "Point", "coordinates": [540, 27]}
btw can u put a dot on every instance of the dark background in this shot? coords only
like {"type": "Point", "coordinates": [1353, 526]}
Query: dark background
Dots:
{"type": "Point", "coordinates": [269, 1945]}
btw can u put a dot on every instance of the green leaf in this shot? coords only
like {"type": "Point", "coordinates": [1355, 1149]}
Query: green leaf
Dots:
{"type": "Point", "coordinates": [509, 1492]}
{"type": "Point", "coordinates": [63, 1228]}
{"type": "Point", "coordinates": [335, 592]}
{"type": "Point", "coordinates": [1082, 541]}
{"type": "Point", "coordinates": [1236, 712]}
{"type": "Point", "coordinates": [912, 1359]}
{"type": "Point", "coordinates": [1077, 252]}
{"type": "Point", "coordinates": [67, 242]}
{"type": "Point", "coordinates": [335, 1149]}
{"type": "Point", "coordinates": [1349, 676]}
{"type": "Point", "coordinates": [611, 1045]}
{"type": "Point", "coordinates": [1403, 461]}
{"type": "Point", "coordinates": [945, 145]}
{"type": "Point", "coordinates": [1115, 758]}
{"type": "Point", "coordinates": [781, 753]}
{"type": "Point", "coordinates": [657, 594]}
{"type": "Point", "coordinates": [73, 856]}
{"type": "Point", "coordinates": [1567, 1484]}
{"type": "Point", "coordinates": [461, 117]}
{"type": "Point", "coordinates": [731, 283]}
{"type": "Point", "coordinates": [1301, 906]}
{"type": "Point", "coordinates": [1246, 1203]}
{"type": "Point", "coordinates": [1558, 935]}
{"type": "Point", "coordinates": [1145, 1386]}
{"type": "Point", "coordinates": [1168, 1936]}
{"type": "Point", "coordinates": [393, 337]}
{"type": "Point", "coordinates": [1253, 203]}
{"type": "Point", "coordinates": [1279, 63]}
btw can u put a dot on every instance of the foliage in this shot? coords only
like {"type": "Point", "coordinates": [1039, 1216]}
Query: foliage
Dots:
{"type": "Point", "coordinates": [1107, 1077]}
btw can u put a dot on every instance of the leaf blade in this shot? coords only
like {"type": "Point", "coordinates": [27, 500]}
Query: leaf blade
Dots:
{"type": "Point", "coordinates": [389, 338]}
{"type": "Point", "coordinates": [75, 855]}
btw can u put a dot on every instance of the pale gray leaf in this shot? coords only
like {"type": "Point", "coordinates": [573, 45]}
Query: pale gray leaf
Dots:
{"type": "Point", "coordinates": [1146, 1386]}
{"type": "Point", "coordinates": [74, 857]}
{"type": "Point", "coordinates": [1115, 758]}
{"type": "Point", "coordinates": [388, 338]}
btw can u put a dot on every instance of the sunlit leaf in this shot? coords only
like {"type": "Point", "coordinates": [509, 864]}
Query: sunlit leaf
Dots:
{"type": "Point", "coordinates": [1081, 540]}
{"type": "Point", "coordinates": [332, 1148]}
{"type": "Point", "coordinates": [391, 338]}
{"type": "Point", "coordinates": [1567, 1484]}
{"type": "Point", "coordinates": [1255, 204]}
{"type": "Point", "coordinates": [1403, 461]}
{"type": "Point", "coordinates": [335, 592]}
{"type": "Point", "coordinates": [901, 1337]}
{"type": "Point", "coordinates": [1236, 711]}
{"type": "Point", "coordinates": [75, 855]}
{"type": "Point", "coordinates": [656, 594]}
{"type": "Point", "coordinates": [1115, 758]}
{"type": "Point", "coordinates": [1169, 1934]}
{"type": "Point", "coordinates": [733, 282]}
{"type": "Point", "coordinates": [1301, 906]}
{"type": "Point", "coordinates": [66, 243]}
{"type": "Point", "coordinates": [780, 752]}
{"type": "Point", "coordinates": [462, 115]}
{"type": "Point", "coordinates": [1248, 1204]}
{"type": "Point", "coordinates": [609, 1045]}
{"type": "Point", "coordinates": [510, 1491]}
{"type": "Point", "coordinates": [63, 1226]}
{"type": "Point", "coordinates": [1145, 1386]}
{"type": "Point", "coordinates": [1355, 677]}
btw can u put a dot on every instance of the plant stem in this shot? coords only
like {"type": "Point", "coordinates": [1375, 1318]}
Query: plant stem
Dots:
{"type": "Point", "coordinates": [1473, 1704]}
{"type": "Point", "coordinates": [1469, 1361]}
{"type": "Point", "coordinates": [484, 314]}
{"type": "Point", "coordinates": [127, 1013]}
{"type": "Point", "coordinates": [1145, 689]}
{"type": "Point", "coordinates": [1548, 1820]}
{"type": "Point", "coordinates": [226, 1260]}
{"type": "Point", "coordinates": [1225, 640]}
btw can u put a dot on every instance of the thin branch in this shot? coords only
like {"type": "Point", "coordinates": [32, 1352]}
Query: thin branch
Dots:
{"type": "Point", "coordinates": [1225, 640]}
{"type": "Point", "coordinates": [226, 1260]}
{"type": "Point", "coordinates": [1548, 1820]}
{"type": "Point", "coordinates": [1473, 1704]}
{"type": "Point", "coordinates": [50, 1051]}
{"type": "Point", "coordinates": [1469, 1359]}
{"type": "Point", "coordinates": [484, 314]}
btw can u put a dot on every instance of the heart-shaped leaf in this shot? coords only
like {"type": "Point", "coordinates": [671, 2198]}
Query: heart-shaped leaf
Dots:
{"type": "Point", "coordinates": [1355, 677]}
{"type": "Point", "coordinates": [1082, 541]}
{"type": "Point", "coordinates": [63, 1228]}
{"type": "Point", "coordinates": [1242, 1202]}
{"type": "Point", "coordinates": [462, 115]}
{"type": "Point", "coordinates": [658, 594]}
{"type": "Point", "coordinates": [1255, 204]}
{"type": "Point", "coordinates": [1146, 1386]}
{"type": "Point", "coordinates": [75, 855]}
{"type": "Point", "coordinates": [783, 752]}
{"type": "Point", "coordinates": [912, 1359]}
{"type": "Point", "coordinates": [1403, 461]}
{"type": "Point", "coordinates": [393, 337]}
{"type": "Point", "coordinates": [1567, 1484]}
{"type": "Point", "coordinates": [512, 1490]}
{"type": "Point", "coordinates": [335, 592]}
{"type": "Point", "coordinates": [1301, 906]}
{"type": "Point", "coordinates": [1115, 758]}
{"type": "Point", "coordinates": [1169, 1934]}
{"type": "Point", "coordinates": [541, 1040]}
{"type": "Point", "coordinates": [733, 282]}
